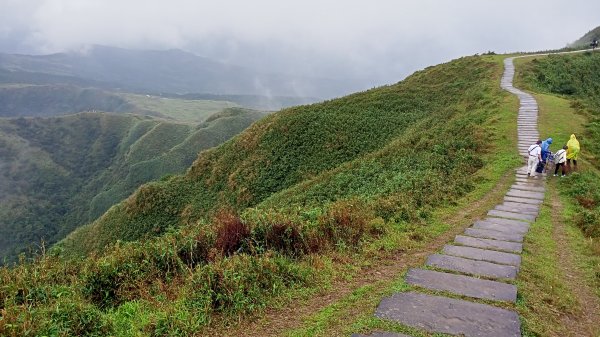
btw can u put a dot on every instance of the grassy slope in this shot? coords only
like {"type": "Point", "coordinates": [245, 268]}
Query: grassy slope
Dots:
{"type": "Point", "coordinates": [87, 162]}
{"type": "Point", "coordinates": [18, 100]}
{"type": "Point", "coordinates": [567, 90]}
{"type": "Point", "coordinates": [368, 175]}
{"type": "Point", "coordinates": [193, 111]}
{"type": "Point", "coordinates": [393, 146]}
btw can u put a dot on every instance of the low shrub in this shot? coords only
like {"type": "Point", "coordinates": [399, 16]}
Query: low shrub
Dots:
{"type": "Point", "coordinates": [232, 233]}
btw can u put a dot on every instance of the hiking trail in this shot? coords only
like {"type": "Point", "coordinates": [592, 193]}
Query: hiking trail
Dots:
{"type": "Point", "coordinates": [483, 262]}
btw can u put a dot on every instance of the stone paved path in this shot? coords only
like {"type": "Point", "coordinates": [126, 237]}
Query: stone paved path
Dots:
{"type": "Point", "coordinates": [482, 262]}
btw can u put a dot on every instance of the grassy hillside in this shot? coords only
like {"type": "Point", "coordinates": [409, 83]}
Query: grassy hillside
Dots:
{"type": "Point", "coordinates": [567, 87]}
{"type": "Point", "coordinates": [576, 78]}
{"type": "Point", "coordinates": [22, 100]}
{"type": "Point", "coordinates": [51, 100]}
{"type": "Point", "coordinates": [373, 145]}
{"type": "Point", "coordinates": [284, 206]}
{"type": "Point", "coordinates": [62, 172]}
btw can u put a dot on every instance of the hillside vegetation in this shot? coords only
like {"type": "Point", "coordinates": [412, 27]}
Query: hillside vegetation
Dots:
{"type": "Point", "coordinates": [577, 78]}
{"type": "Point", "coordinates": [62, 172]}
{"type": "Point", "coordinates": [22, 100]}
{"type": "Point", "coordinates": [388, 145]}
{"type": "Point", "coordinates": [277, 208]}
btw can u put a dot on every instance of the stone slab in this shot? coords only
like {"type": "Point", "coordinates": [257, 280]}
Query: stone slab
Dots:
{"type": "Point", "coordinates": [510, 229]}
{"type": "Point", "coordinates": [521, 206]}
{"type": "Point", "coordinates": [511, 215]}
{"type": "Point", "coordinates": [501, 245]}
{"type": "Point", "coordinates": [525, 194]}
{"type": "Point", "coordinates": [528, 187]}
{"type": "Point", "coordinates": [451, 316]}
{"type": "Point", "coordinates": [483, 255]}
{"type": "Point", "coordinates": [505, 208]}
{"type": "Point", "coordinates": [527, 180]}
{"type": "Point", "coordinates": [494, 235]}
{"type": "Point", "coordinates": [462, 285]}
{"type": "Point", "coordinates": [473, 267]}
{"type": "Point", "coordinates": [524, 200]}
{"type": "Point", "coordinates": [381, 334]}
{"type": "Point", "coordinates": [503, 221]}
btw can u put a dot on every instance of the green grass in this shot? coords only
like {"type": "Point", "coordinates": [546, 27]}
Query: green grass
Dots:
{"type": "Point", "coordinates": [64, 172]}
{"type": "Point", "coordinates": [190, 111]}
{"type": "Point", "coordinates": [322, 191]}
{"type": "Point", "coordinates": [544, 295]}
{"type": "Point", "coordinates": [566, 88]}
{"type": "Point", "coordinates": [371, 146]}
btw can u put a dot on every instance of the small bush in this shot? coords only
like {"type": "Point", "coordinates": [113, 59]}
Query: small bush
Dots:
{"type": "Point", "coordinates": [346, 222]}
{"type": "Point", "coordinates": [243, 283]}
{"type": "Point", "coordinates": [124, 274]}
{"type": "Point", "coordinates": [232, 233]}
{"type": "Point", "coordinates": [73, 318]}
{"type": "Point", "coordinates": [285, 238]}
{"type": "Point", "coordinates": [196, 250]}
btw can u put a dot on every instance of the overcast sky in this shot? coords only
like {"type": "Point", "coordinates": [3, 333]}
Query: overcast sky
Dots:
{"type": "Point", "coordinates": [381, 41]}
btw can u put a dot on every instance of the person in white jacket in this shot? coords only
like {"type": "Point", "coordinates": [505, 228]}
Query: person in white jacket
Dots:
{"type": "Point", "coordinates": [535, 156]}
{"type": "Point", "coordinates": [560, 158]}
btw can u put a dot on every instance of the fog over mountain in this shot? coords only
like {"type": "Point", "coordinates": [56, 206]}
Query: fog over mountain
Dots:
{"type": "Point", "coordinates": [371, 43]}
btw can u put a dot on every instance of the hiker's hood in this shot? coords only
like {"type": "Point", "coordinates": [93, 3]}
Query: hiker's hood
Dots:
{"type": "Point", "coordinates": [573, 137]}
{"type": "Point", "coordinates": [546, 144]}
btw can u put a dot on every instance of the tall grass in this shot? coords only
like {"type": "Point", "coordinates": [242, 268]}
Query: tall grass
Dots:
{"type": "Point", "coordinates": [271, 211]}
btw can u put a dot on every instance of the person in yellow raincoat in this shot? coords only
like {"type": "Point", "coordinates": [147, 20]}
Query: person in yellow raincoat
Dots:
{"type": "Point", "coordinates": [572, 153]}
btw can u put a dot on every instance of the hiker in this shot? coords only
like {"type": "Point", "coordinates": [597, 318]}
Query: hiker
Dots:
{"type": "Point", "coordinates": [546, 149]}
{"type": "Point", "coordinates": [559, 159]}
{"type": "Point", "coordinates": [535, 156]}
{"type": "Point", "coordinates": [572, 153]}
{"type": "Point", "coordinates": [594, 44]}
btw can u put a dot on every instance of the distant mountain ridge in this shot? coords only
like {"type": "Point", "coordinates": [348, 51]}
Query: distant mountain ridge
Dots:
{"type": "Point", "coordinates": [587, 38]}
{"type": "Point", "coordinates": [170, 71]}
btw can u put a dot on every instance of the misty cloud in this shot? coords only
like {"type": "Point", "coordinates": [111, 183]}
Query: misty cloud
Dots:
{"type": "Point", "coordinates": [378, 41]}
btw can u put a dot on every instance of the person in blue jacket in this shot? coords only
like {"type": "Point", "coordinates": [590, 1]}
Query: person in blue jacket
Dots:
{"type": "Point", "coordinates": [546, 149]}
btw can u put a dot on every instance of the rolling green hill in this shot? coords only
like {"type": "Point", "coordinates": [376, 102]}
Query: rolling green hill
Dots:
{"type": "Point", "coordinates": [62, 172]}
{"type": "Point", "coordinates": [22, 100]}
{"type": "Point", "coordinates": [368, 145]}
{"type": "Point", "coordinates": [278, 207]}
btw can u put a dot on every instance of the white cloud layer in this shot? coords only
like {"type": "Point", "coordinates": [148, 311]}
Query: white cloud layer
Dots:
{"type": "Point", "coordinates": [382, 40]}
